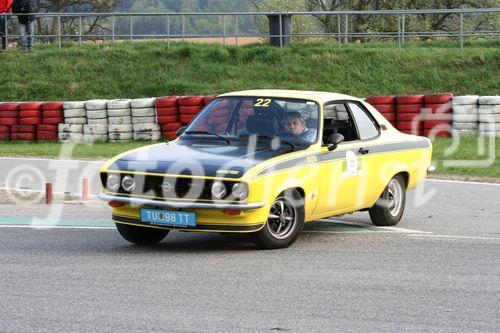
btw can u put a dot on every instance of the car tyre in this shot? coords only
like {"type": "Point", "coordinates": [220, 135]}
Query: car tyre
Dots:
{"type": "Point", "coordinates": [389, 207]}
{"type": "Point", "coordinates": [284, 223]}
{"type": "Point", "coordinates": [141, 235]}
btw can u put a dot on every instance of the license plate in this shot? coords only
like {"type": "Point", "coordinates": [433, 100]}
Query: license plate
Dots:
{"type": "Point", "coordinates": [168, 218]}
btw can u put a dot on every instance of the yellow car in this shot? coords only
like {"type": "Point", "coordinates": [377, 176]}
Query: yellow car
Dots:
{"type": "Point", "coordinates": [265, 162]}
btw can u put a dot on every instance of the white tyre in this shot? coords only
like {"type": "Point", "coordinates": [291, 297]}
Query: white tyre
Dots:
{"type": "Point", "coordinates": [489, 109]}
{"type": "Point", "coordinates": [120, 120]}
{"type": "Point", "coordinates": [120, 128]}
{"type": "Point", "coordinates": [148, 136]}
{"type": "Point", "coordinates": [70, 128]}
{"type": "Point", "coordinates": [143, 120]}
{"type": "Point", "coordinates": [490, 134]}
{"type": "Point", "coordinates": [120, 136]}
{"type": "Point", "coordinates": [96, 104]}
{"type": "Point", "coordinates": [465, 100]}
{"type": "Point", "coordinates": [465, 109]}
{"type": "Point", "coordinates": [141, 103]}
{"type": "Point", "coordinates": [97, 114]}
{"type": "Point", "coordinates": [146, 112]}
{"type": "Point", "coordinates": [489, 127]}
{"type": "Point", "coordinates": [118, 104]}
{"type": "Point", "coordinates": [100, 121]}
{"type": "Point", "coordinates": [119, 112]}
{"type": "Point", "coordinates": [489, 100]}
{"type": "Point", "coordinates": [94, 138]}
{"type": "Point", "coordinates": [73, 137]}
{"type": "Point", "coordinates": [465, 118]}
{"type": "Point", "coordinates": [74, 113]}
{"type": "Point", "coordinates": [464, 132]}
{"type": "Point", "coordinates": [79, 120]}
{"type": "Point", "coordinates": [73, 105]}
{"type": "Point", "coordinates": [146, 127]}
{"type": "Point", "coordinates": [489, 118]}
{"type": "Point", "coordinates": [95, 129]}
{"type": "Point", "coordinates": [465, 126]}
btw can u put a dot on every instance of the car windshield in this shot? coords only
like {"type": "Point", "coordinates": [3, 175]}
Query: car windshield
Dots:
{"type": "Point", "coordinates": [294, 121]}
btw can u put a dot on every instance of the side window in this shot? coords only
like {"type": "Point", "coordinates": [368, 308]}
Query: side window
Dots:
{"type": "Point", "coordinates": [366, 125]}
{"type": "Point", "coordinates": [338, 120]}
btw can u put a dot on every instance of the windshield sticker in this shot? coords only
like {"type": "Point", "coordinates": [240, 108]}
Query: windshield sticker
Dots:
{"type": "Point", "coordinates": [262, 102]}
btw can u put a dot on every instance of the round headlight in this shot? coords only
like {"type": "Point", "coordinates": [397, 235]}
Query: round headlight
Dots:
{"type": "Point", "coordinates": [128, 183]}
{"type": "Point", "coordinates": [219, 190]}
{"type": "Point", "coordinates": [240, 191]}
{"type": "Point", "coordinates": [113, 182]}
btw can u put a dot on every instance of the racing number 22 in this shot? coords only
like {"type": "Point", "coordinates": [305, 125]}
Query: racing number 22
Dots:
{"type": "Point", "coordinates": [263, 102]}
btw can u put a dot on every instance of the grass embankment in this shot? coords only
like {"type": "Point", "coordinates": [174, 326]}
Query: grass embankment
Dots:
{"type": "Point", "coordinates": [468, 149]}
{"type": "Point", "coordinates": [145, 69]}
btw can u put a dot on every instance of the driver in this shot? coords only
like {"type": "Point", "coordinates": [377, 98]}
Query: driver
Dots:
{"type": "Point", "coordinates": [295, 124]}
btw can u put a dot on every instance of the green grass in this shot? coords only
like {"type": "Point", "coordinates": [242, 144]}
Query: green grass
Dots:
{"type": "Point", "coordinates": [467, 150]}
{"type": "Point", "coordinates": [145, 69]}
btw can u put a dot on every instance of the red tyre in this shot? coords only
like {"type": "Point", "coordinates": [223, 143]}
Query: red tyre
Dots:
{"type": "Point", "coordinates": [53, 121]}
{"type": "Point", "coordinates": [189, 109]}
{"type": "Point", "coordinates": [170, 135]}
{"type": "Point", "coordinates": [23, 136]}
{"type": "Point", "coordinates": [52, 106]}
{"type": "Point", "coordinates": [23, 129]}
{"type": "Point", "coordinates": [9, 106]}
{"type": "Point", "coordinates": [46, 135]}
{"type": "Point", "coordinates": [385, 108]}
{"type": "Point", "coordinates": [4, 136]}
{"type": "Point", "coordinates": [439, 108]}
{"type": "Point", "coordinates": [53, 114]}
{"type": "Point", "coordinates": [30, 106]}
{"type": "Point", "coordinates": [410, 99]}
{"type": "Point", "coordinates": [409, 117]}
{"type": "Point", "coordinates": [4, 129]}
{"type": "Point", "coordinates": [9, 121]}
{"type": "Point", "coordinates": [9, 114]}
{"type": "Point", "coordinates": [409, 132]}
{"type": "Point", "coordinates": [47, 128]}
{"type": "Point", "coordinates": [167, 119]}
{"type": "Point", "coordinates": [409, 108]}
{"type": "Point", "coordinates": [191, 100]}
{"type": "Point", "coordinates": [168, 111]}
{"type": "Point", "coordinates": [437, 133]}
{"type": "Point", "coordinates": [167, 101]}
{"type": "Point", "coordinates": [186, 119]}
{"type": "Point", "coordinates": [171, 127]}
{"type": "Point", "coordinates": [389, 116]}
{"type": "Point", "coordinates": [380, 100]}
{"type": "Point", "coordinates": [207, 99]}
{"type": "Point", "coordinates": [30, 113]}
{"type": "Point", "coordinates": [438, 98]}
{"type": "Point", "coordinates": [30, 121]}
{"type": "Point", "coordinates": [409, 125]}
{"type": "Point", "coordinates": [442, 124]}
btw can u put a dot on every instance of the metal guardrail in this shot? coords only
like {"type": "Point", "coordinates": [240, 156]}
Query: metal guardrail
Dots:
{"type": "Point", "coordinates": [342, 35]}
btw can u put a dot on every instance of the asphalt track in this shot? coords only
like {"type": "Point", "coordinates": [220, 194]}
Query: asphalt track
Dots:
{"type": "Point", "coordinates": [69, 270]}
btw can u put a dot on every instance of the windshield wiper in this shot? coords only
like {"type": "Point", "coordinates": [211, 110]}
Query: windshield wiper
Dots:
{"type": "Point", "coordinates": [292, 145]}
{"type": "Point", "coordinates": [209, 133]}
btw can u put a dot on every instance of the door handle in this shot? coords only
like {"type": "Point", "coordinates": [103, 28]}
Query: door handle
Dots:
{"type": "Point", "coordinates": [363, 151]}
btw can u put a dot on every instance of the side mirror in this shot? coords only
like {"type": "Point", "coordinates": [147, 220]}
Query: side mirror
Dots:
{"type": "Point", "coordinates": [334, 140]}
{"type": "Point", "coordinates": [181, 130]}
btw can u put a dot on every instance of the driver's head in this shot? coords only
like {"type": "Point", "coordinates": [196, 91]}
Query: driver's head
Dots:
{"type": "Point", "coordinates": [294, 123]}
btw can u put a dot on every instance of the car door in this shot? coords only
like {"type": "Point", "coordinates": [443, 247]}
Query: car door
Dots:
{"type": "Point", "coordinates": [339, 168]}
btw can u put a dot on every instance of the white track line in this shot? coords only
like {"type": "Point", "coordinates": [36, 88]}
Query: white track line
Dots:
{"type": "Point", "coordinates": [460, 182]}
{"type": "Point", "coordinates": [50, 159]}
{"type": "Point", "coordinates": [458, 237]}
{"type": "Point", "coordinates": [42, 192]}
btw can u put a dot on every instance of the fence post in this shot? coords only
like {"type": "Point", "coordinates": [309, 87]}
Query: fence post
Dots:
{"type": "Point", "coordinates": [183, 28]}
{"type": "Point", "coordinates": [168, 31]}
{"type": "Point", "coordinates": [281, 30]}
{"type": "Point", "coordinates": [131, 28]}
{"type": "Point", "coordinates": [59, 31]}
{"type": "Point", "coordinates": [346, 28]}
{"type": "Point", "coordinates": [339, 32]}
{"type": "Point", "coordinates": [224, 30]}
{"type": "Point", "coordinates": [80, 30]}
{"type": "Point", "coordinates": [462, 32]}
{"type": "Point", "coordinates": [113, 28]}
{"type": "Point", "coordinates": [237, 29]}
{"type": "Point", "coordinates": [399, 33]}
{"type": "Point", "coordinates": [6, 31]}
{"type": "Point", "coordinates": [403, 30]}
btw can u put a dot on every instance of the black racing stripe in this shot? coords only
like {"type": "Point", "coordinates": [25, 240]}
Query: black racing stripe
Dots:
{"type": "Point", "coordinates": [249, 228]}
{"type": "Point", "coordinates": [338, 154]}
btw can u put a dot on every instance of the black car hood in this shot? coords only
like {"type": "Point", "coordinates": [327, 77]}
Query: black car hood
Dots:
{"type": "Point", "coordinates": [197, 159]}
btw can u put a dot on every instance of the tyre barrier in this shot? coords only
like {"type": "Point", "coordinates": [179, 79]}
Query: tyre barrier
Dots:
{"type": "Point", "coordinates": [144, 126]}
{"type": "Point", "coordinates": [119, 120]}
{"type": "Point", "coordinates": [386, 105]}
{"type": "Point", "coordinates": [409, 114]}
{"type": "Point", "coordinates": [465, 116]}
{"type": "Point", "coordinates": [437, 120]}
{"type": "Point", "coordinates": [489, 116]}
{"type": "Point", "coordinates": [167, 116]}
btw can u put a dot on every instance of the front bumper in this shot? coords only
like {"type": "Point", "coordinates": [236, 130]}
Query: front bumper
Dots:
{"type": "Point", "coordinates": [179, 205]}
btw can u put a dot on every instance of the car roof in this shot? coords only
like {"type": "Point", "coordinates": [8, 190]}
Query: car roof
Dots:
{"type": "Point", "coordinates": [318, 96]}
